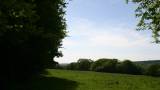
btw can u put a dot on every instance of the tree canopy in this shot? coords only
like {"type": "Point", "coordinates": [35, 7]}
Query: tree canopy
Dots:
{"type": "Point", "coordinates": [84, 64]}
{"type": "Point", "coordinates": [149, 13]}
{"type": "Point", "coordinates": [31, 31]}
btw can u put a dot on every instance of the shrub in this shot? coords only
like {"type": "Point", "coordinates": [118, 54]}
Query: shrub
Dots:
{"type": "Point", "coordinates": [153, 70]}
{"type": "Point", "coordinates": [84, 64]}
{"type": "Point", "coordinates": [104, 65]}
{"type": "Point", "coordinates": [128, 67]}
{"type": "Point", "coordinates": [72, 66]}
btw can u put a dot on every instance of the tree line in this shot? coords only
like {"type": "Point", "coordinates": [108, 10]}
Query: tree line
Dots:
{"type": "Point", "coordinates": [113, 66]}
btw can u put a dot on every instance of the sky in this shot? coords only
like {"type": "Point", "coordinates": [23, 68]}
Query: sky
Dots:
{"type": "Point", "coordinates": [105, 29]}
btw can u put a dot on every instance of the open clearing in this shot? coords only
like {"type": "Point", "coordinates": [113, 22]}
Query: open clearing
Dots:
{"type": "Point", "coordinates": [85, 80]}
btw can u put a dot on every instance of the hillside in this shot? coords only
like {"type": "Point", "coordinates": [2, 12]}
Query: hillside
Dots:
{"type": "Point", "coordinates": [148, 62]}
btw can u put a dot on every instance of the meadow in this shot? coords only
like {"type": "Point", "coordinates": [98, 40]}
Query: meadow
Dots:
{"type": "Point", "coordinates": [86, 80]}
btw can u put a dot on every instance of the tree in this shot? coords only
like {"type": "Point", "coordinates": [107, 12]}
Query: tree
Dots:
{"type": "Point", "coordinates": [110, 66]}
{"type": "Point", "coordinates": [148, 12]}
{"type": "Point", "coordinates": [52, 65]}
{"type": "Point", "coordinates": [129, 67]}
{"type": "Point", "coordinates": [153, 70]}
{"type": "Point", "coordinates": [31, 31]}
{"type": "Point", "coordinates": [84, 64]}
{"type": "Point", "coordinates": [72, 66]}
{"type": "Point", "coordinates": [104, 65]}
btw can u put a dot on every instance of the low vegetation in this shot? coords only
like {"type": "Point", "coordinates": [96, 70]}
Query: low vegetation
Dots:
{"type": "Point", "coordinates": [114, 66]}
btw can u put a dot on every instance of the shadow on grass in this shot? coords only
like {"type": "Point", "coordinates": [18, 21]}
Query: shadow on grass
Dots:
{"type": "Point", "coordinates": [48, 83]}
{"type": "Point", "coordinates": [52, 83]}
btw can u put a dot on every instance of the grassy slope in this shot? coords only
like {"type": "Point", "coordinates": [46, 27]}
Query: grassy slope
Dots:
{"type": "Point", "coordinates": [80, 80]}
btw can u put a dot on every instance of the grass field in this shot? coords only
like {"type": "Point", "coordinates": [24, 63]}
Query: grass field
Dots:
{"type": "Point", "coordinates": [81, 80]}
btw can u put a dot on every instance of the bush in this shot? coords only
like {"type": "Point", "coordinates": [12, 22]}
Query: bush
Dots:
{"type": "Point", "coordinates": [104, 65]}
{"type": "Point", "coordinates": [153, 70]}
{"type": "Point", "coordinates": [110, 66]}
{"type": "Point", "coordinates": [72, 66]}
{"type": "Point", "coordinates": [128, 67]}
{"type": "Point", "coordinates": [84, 64]}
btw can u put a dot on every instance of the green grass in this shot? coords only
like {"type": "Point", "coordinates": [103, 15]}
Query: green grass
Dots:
{"type": "Point", "coordinates": [84, 80]}
{"type": "Point", "coordinates": [106, 81]}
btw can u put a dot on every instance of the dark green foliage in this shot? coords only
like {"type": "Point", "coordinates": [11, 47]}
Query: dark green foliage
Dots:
{"type": "Point", "coordinates": [84, 64]}
{"type": "Point", "coordinates": [110, 66]}
{"type": "Point", "coordinates": [114, 66]}
{"type": "Point", "coordinates": [104, 65]}
{"type": "Point", "coordinates": [153, 70]}
{"type": "Point", "coordinates": [31, 32]}
{"type": "Point", "coordinates": [129, 67]}
{"type": "Point", "coordinates": [72, 66]}
{"type": "Point", "coordinates": [81, 64]}
{"type": "Point", "coordinates": [97, 64]}
{"type": "Point", "coordinates": [148, 12]}
{"type": "Point", "coordinates": [52, 65]}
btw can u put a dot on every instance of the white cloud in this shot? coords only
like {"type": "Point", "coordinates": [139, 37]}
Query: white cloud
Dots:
{"type": "Point", "coordinates": [68, 42]}
{"type": "Point", "coordinates": [105, 34]}
{"type": "Point", "coordinates": [87, 39]}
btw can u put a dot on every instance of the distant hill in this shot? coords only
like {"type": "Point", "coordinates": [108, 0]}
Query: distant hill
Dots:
{"type": "Point", "coordinates": [148, 62]}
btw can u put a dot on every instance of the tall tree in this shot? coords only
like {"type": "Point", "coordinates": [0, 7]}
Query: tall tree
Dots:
{"type": "Point", "coordinates": [149, 13]}
{"type": "Point", "coordinates": [31, 31]}
{"type": "Point", "coordinates": [84, 64]}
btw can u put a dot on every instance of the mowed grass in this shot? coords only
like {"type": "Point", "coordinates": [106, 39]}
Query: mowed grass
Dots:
{"type": "Point", "coordinates": [85, 80]}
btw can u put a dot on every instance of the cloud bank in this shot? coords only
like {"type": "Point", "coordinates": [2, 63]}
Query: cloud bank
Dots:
{"type": "Point", "coordinates": [88, 39]}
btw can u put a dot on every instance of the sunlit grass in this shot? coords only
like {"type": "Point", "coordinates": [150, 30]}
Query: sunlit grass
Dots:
{"type": "Point", "coordinates": [106, 81]}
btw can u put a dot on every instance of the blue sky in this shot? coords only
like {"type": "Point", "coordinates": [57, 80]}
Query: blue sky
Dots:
{"type": "Point", "coordinates": [105, 29]}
